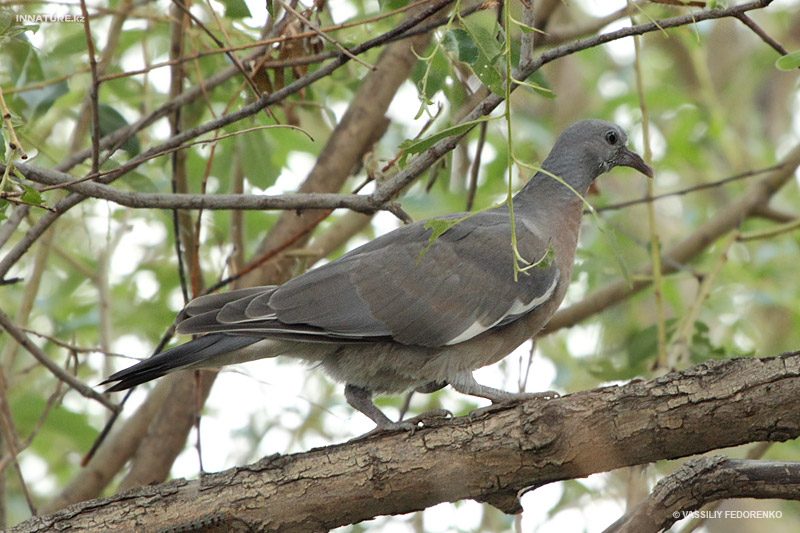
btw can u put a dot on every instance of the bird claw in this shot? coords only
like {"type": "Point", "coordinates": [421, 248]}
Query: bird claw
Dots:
{"type": "Point", "coordinates": [429, 418]}
{"type": "Point", "coordinates": [512, 398]}
{"type": "Point", "coordinates": [545, 395]}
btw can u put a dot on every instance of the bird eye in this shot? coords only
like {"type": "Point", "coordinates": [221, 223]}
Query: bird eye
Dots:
{"type": "Point", "coordinates": [612, 137]}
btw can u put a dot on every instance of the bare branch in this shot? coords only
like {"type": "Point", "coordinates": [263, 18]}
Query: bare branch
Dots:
{"type": "Point", "coordinates": [708, 479]}
{"type": "Point", "coordinates": [688, 190]}
{"type": "Point", "coordinates": [244, 202]}
{"type": "Point", "coordinates": [758, 30]}
{"type": "Point", "coordinates": [93, 89]}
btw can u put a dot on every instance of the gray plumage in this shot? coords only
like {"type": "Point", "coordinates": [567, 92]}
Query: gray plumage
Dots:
{"type": "Point", "coordinates": [383, 319]}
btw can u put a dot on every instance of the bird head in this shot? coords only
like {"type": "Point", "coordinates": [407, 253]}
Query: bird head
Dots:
{"type": "Point", "coordinates": [601, 146]}
{"type": "Point", "coordinates": [590, 148]}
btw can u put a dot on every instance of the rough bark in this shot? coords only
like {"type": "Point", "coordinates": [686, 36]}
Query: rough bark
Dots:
{"type": "Point", "coordinates": [489, 456]}
{"type": "Point", "coordinates": [705, 480]}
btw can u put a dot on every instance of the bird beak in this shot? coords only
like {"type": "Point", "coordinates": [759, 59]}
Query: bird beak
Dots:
{"type": "Point", "coordinates": [629, 158]}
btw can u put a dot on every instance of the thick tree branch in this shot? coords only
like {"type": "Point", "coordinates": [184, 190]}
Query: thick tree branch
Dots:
{"type": "Point", "coordinates": [489, 456]}
{"type": "Point", "coordinates": [708, 479]}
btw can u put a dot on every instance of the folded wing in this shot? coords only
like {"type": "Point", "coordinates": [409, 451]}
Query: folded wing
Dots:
{"type": "Point", "coordinates": [462, 286]}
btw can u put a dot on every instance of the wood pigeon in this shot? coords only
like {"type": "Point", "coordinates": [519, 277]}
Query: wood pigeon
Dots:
{"type": "Point", "coordinates": [388, 318]}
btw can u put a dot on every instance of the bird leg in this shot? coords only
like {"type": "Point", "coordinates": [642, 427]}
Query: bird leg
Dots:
{"type": "Point", "coordinates": [361, 399]}
{"type": "Point", "coordinates": [427, 388]}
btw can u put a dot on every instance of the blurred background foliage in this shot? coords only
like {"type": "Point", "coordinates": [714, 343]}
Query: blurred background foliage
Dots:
{"type": "Point", "coordinates": [105, 282]}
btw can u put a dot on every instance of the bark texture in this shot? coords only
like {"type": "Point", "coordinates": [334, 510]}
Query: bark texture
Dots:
{"type": "Point", "coordinates": [491, 455]}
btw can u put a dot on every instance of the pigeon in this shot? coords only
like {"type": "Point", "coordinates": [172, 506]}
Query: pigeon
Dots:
{"type": "Point", "coordinates": [407, 312]}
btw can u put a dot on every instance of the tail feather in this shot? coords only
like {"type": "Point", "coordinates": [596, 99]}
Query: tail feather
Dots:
{"type": "Point", "coordinates": [190, 353]}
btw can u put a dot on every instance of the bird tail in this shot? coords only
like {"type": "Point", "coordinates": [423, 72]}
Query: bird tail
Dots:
{"type": "Point", "coordinates": [189, 354]}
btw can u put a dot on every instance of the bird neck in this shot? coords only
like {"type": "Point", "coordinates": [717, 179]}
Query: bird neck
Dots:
{"type": "Point", "coordinates": [544, 195]}
{"type": "Point", "coordinates": [553, 206]}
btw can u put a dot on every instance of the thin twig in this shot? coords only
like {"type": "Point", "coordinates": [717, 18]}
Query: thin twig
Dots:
{"type": "Point", "coordinates": [10, 438]}
{"type": "Point", "coordinates": [771, 232]}
{"type": "Point", "coordinates": [475, 168]}
{"type": "Point", "coordinates": [72, 347]}
{"type": "Point", "coordinates": [688, 190]}
{"type": "Point", "coordinates": [57, 371]}
{"type": "Point", "coordinates": [233, 57]}
{"type": "Point", "coordinates": [324, 35]}
{"type": "Point", "coordinates": [293, 201]}
{"type": "Point", "coordinates": [655, 242]}
{"type": "Point", "coordinates": [178, 166]}
{"type": "Point", "coordinates": [13, 141]}
{"type": "Point", "coordinates": [750, 23]}
{"type": "Point", "coordinates": [93, 89]}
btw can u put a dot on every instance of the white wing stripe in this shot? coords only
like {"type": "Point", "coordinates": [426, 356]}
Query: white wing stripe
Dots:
{"type": "Point", "coordinates": [517, 308]}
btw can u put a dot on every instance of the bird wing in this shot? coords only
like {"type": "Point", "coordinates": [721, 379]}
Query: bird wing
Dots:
{"type": "Point", "coordinates": [462, 286]}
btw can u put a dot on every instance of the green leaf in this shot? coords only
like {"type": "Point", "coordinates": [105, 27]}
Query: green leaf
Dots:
{"type": "Point", "coordinates": [236, 9]}
{"type": "Point", "coordinates": [31, 196]}
{"type": "Point", "coordinates": [789, 61]}
{"type": "Point", "coordinates": [702, 348]}
{"type": "Point", "coordinates": [439, 227]}
{"type": "Point", "coordinates": [139, 182]}
{"type": "Point", "coordinates": [414, 147]}
{"type": "Point", "coordinates": [6, 21]}
{"type": "Point", "coordinates": [489, 51]}
{"type": "Point", "coordinates": [13, 31]}
{"type": "Point", "coordinates": [40, 100]}
{"type": "Point", "coordinates": [22, 62]}
{"type": "Point", "coordinates": [460, 43]}
{"type": "Point", "coordinates": [547, 258]}
{"type": "Point", "coordinates": [111, 120]}
{"type": "Point", "coordinates": [430, 77]}
{"type": "Point", "coordinates": [271, 8]}
{"type": "Point", "coordinates": [73, 40]}
{"type": "Point", "coordinates": [255, 154]}
{"type": "Point", "coordinates": [538, 84]}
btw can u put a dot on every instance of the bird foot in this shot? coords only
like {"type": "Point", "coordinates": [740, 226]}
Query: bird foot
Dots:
{"type": "Point", "coordinates": [545, 395]}
{"type": "Point", "coordinates": [429, 418]}
{"type": "Point", "coordinates": [512, 398]}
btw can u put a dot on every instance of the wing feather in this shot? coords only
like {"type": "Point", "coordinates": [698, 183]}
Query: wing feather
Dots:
{"type": "Point", "coordinates": [462, 286]}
